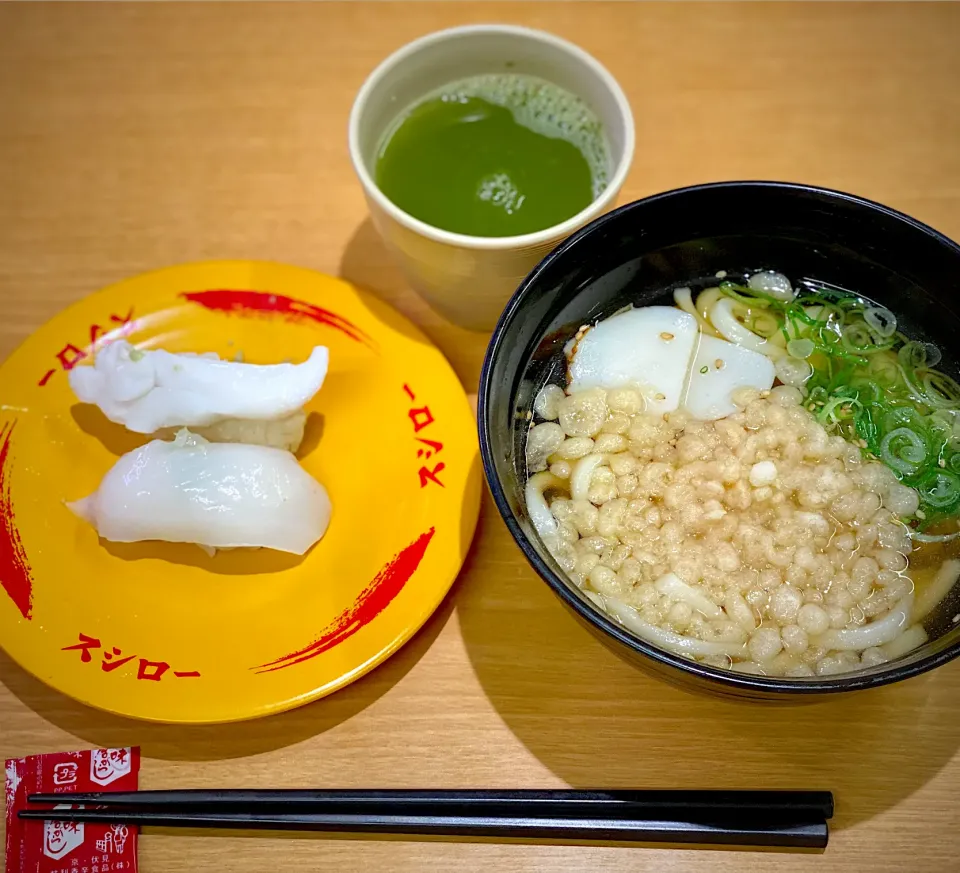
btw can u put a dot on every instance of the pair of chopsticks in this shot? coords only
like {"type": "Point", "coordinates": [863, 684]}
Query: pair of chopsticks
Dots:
{"type": "Point", "coordinates": [747, 819]}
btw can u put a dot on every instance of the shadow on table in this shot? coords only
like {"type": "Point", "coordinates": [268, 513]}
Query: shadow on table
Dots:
{"type": "Point", "coordinates": [598, 722]}
{"type": "Point", "coordinates": [214, 742]}
{"type": "Point", "coordinates": [367, 264]}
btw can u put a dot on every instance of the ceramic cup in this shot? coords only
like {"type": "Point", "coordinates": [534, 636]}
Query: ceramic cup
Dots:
{"type": "Point", "coordinates": [469, 279]}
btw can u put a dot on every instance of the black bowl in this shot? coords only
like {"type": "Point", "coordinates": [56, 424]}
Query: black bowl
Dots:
{"type": "Point", "coordinates": [632, 255]}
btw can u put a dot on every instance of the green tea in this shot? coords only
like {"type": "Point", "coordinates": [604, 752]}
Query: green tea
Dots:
{"type": "Point", "coordinates": [494, 155]}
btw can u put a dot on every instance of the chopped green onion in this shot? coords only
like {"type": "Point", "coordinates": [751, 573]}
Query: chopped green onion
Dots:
{"type": "Point", "coordinates": [818, 394]}
{"type": "Point", "coordinates": [881, 320]}
{"type": "Point", "coordinates": [940, 489]}
{"type": "Point", "coordinates": [933, 354]}
{"type": "Point", "coordinates": [800, 348]}
{"type": "Point", "coordinates": [867, 382]}
{"type": "Point", "coordinates": [858, 338]}
{"type": "Point", "coordinates": [940, 390]}
{"type": "Point", "coordinates": [903, 450]}
{"type": "Point", "coordinates": [914, 356]}
{"type": "Point", "coordinates": [903, 416]}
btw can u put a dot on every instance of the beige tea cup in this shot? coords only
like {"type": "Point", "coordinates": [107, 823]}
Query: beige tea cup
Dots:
{"type": "Point", "coordinates": [468, 279]}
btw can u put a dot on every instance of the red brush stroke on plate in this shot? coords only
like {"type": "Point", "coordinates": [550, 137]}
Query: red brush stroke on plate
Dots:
{"type": "Point", "coordinates": [266, 303]}
{"type": "Point", "coordinates": [14, 569]}
{"type": "Point", "coordinates": [376, 597]}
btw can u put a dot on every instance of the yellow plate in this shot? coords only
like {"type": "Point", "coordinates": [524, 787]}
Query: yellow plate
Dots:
{"type": "Point", "coordinates": [161, 631]}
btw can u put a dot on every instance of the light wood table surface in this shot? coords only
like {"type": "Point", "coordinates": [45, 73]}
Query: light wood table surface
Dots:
{"type": "Point", "coordinates": [137, 136]}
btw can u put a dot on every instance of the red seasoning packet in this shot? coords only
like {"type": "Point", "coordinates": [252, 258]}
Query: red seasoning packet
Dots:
{"type": "Point", "coordinates": [66, 847]}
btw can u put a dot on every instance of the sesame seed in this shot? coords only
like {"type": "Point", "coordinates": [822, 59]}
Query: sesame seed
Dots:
{"type": "Point", "coordinates": [921, 514]}
{"type": "Point", "coordinates": [718, 363]}
{"type": "Point", "coordinates": [666, 337]}
{"type": "Point", "coordinates": [942, 462]}
{"type": "Point", "coordinates": [661, 397]}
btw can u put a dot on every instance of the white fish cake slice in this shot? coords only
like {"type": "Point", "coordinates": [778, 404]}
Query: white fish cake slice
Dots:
{"type": "Point", "coordinates": [650, 347]}
{"type": "Point", "coordinates": [719, 369]}
{"type": "Point", "coordinates": [217, 495]}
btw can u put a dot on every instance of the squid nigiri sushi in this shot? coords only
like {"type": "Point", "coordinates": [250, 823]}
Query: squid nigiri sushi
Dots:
{"type": "Point", "coordinates": [151, 391]}
{"type": "Point", "coordinates": [216, 495]}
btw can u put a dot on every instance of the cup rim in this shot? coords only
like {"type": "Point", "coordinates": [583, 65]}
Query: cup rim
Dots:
{"type": "Point", "coordinates": [549, 234]}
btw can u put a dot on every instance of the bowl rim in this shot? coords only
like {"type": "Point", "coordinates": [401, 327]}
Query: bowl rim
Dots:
{"type": "Point", "coordinates": [597, 620]}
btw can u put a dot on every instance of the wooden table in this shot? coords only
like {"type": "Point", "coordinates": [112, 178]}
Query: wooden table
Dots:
{"type": "Point", "coordinates": [136, 136]}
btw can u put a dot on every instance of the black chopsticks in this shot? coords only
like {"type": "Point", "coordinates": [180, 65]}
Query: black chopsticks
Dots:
{"type": "Point", "coordinates": [491, 801]}
{"type": "Point", "coordinates": [749, 819]}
